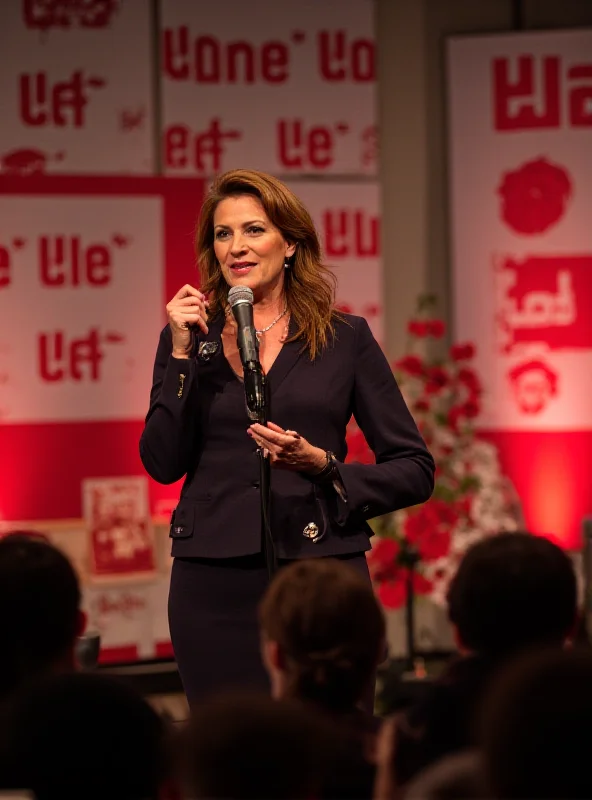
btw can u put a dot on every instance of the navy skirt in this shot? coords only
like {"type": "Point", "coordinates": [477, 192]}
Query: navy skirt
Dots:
{"type": "Point", "coordinates": [213, 621]}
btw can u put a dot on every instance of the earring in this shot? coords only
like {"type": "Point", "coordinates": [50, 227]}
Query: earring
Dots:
{"type": "Point", "coordinates": [286, 263]}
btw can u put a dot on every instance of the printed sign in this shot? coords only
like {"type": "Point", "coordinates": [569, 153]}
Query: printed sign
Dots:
{"type": "Point", "coordinates": [81, 298]}
{"type": "Point", "coordinates": [347, 217]}
{"type": "Point", "coordinates": [521, 116]}
{"type": "Point", "coordinates": [118, 521]}
{"type": "Point", "coordinates": [521, 180]}
{"type": "Point", "coordinates": [76, 87]}
{"type": "Point", "coordinates": [293, 96]}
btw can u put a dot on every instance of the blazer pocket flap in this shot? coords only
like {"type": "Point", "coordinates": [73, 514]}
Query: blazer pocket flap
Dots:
{"type": "Point", "coordinates": [182, 521]}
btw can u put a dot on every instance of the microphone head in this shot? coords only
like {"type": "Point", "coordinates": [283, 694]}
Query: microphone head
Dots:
{"type": "Point", "coordinates": [240, 294]}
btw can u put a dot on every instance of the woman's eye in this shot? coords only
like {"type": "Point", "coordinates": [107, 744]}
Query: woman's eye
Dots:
{"type": "Point", "coordinates": [255, 229]}
{"type": "Point", "coordinates": [221, 234]}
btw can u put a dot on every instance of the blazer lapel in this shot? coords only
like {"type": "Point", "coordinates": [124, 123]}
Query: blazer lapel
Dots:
{"type": "Point", "coordinates": [286, 360]}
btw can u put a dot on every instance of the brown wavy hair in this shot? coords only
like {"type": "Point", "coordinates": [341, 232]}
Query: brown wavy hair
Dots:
{"type": "Point", "coordinates": [330, 627]}
{"type": "Point", "coordinates": [309, 285]}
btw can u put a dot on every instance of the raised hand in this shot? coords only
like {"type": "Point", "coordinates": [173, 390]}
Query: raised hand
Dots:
{"type": "Point", "coordinates": [187, 308]}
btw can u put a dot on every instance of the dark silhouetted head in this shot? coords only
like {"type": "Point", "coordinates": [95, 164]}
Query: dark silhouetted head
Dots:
{"type": "Point", "coordinates": [40, 614]}
{"type": "Point", "coordinates": [83, 735]}
{"type": "Point", "coordinates": [536, 727]}
{"type": "Point", "coordinates": [513, 591]}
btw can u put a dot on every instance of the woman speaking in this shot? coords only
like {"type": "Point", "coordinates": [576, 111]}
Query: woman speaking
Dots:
{"type": "Point", "coordinates": [321, 366]}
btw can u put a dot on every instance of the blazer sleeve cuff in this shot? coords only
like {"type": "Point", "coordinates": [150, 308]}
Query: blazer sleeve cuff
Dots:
{"type": "Point", "coordinates": [178, 381]}
{"type": "Point", "coordinates": [349, 501]}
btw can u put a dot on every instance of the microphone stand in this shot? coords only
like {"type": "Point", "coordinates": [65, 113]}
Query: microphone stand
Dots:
{"type": "Point", "coordinates": [258, 411]}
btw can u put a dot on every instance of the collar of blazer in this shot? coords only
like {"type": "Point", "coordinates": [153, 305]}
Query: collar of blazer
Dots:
{"type": "Point", "coordinates": [287, 358]}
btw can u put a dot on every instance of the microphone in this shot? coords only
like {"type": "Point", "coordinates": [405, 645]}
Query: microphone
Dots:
{"type": "Point", "coordinates": [240, 299]}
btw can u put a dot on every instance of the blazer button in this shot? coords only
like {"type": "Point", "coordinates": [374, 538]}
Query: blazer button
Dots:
{"type": "Point", "coordinates": [365, 509]}
{"type": "Point", "coordinates": [255, 484]}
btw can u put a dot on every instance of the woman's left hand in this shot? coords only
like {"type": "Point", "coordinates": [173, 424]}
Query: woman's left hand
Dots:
{"type": "Point", "coordinates": [287, 449]}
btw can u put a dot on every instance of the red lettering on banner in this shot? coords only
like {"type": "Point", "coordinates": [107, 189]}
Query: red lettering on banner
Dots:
{"type": "Point", "coordinates": [6, 260]}
{"type": "Point", "coordinates": [44, 14]}
{"type": "Point", "coordinates": [125, 604]}
{"type": "Point", "coordinates": [580, 97]}
{"type": "Point", "coordinates": [60, 359]}
{"type": "Point", "coordinates": [66, 261]}
{"type": "Point", "coordinates": [300, 148]}
{"type": "Point", "coordinates": [342, 60]}
{"type": "Point", "coordinates": [203, 151]}
{"type": "Point", "coordinates": [61, 104]}
{"type": "Point", "coordinates": [208, 60]}
{"type": "Point", "coordinates": [349, 234]}
{"type": "Point", "coordinates": [5, 266]}
{"type": "Point", "coordinates": [534, 99]}
{"type": "Point", "coordinates": [132, 120]}
{"type": "Point", "coordinates": [545, 299]}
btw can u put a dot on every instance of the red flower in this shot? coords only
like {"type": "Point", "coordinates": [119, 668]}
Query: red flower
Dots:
{"type": "Point", "coordinates": [422, 405]}
{"type": "Point", "coordinates": [455, 414]}
{"type": "Point", "coordinates": [462, 352]}
{"type": "Point", "coordinates": [438, 378]}
{"type": "Point", "coordinates": [417, 327]}
{"type": "Point", "coordinates": [412, 365]}
{"type": "Point", "coordinates": [382, 559]}
{"type": "Point", "coordinates": [358, 449]}
{"type": "Point", "coordinates": [429, 529]}
{"type": "Point", "coordinates": [345, 308]}
{"type": "Point", "coordinates": [471, 409]}
{"type": "Point", "coordinates": [393, 593]}
{"type": "Point", "coordinates": [470, 379]}
{"type": "Point", "coordinates": [436, 328]}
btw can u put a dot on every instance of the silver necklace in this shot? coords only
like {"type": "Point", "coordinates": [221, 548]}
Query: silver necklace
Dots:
{"type": "Point", "coordinates": [269, 327]}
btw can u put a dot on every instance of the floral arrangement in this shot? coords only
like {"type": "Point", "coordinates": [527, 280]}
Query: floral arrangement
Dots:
{"type": "Point", "coordinates": [421, 547]}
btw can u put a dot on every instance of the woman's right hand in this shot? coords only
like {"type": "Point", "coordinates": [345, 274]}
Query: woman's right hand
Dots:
{"type": "Point", "coordinates": [187, 308]}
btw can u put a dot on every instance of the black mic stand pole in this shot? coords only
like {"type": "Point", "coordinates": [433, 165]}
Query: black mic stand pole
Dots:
{"type": "Point", "coordinates": [258, 408]}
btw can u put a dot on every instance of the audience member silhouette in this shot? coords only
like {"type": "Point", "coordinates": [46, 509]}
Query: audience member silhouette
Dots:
{"type": "Point", "coordinates": [322, 636]}
{"type": "Point", "coordinates": [84, 735]}
{"type": "Point", "coordinates": [40, 614]}
{"type": "Point", "coordinates": [512, 592]}
{"type": "Point", "coordinates": [251, 747]}
{"type": "Point", "coordinates": [536, 728]}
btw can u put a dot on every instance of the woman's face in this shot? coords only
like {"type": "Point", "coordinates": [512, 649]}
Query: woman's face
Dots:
{"type": "Point", "coordinates": [250, 250]}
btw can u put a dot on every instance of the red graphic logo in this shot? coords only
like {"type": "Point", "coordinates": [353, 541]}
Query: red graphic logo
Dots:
{"type": "Point", "coordinates": [27, 161]}
{"type": "Point", "coordinates": [44, 14]}
{"type": "Point", "coordinates": [534, 196]}
{"type": "Point", "coordinates": [545, 299]}
{"type": "Point", "coordinates": [534, 384]}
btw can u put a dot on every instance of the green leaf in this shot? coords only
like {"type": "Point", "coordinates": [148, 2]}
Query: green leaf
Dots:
{"type": "Point", "coordinates": [470, 483]}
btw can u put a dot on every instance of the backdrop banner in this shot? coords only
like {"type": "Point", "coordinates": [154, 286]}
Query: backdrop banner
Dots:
{"type": "Point", "coordinates": [288, 88]}
{"type": "Point", "coordinates": [76, 85]}
{"type": "Point", "coordinates": [520, 110]}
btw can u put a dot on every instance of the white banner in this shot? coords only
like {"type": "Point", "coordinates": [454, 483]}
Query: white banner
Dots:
{"type": "Point", "coordinates": [81, 299]}
{"type": "Point", "coordinates": [521, 152]}
{"type": "Point", "coordinates": [347, 217]}
{"type": "Point", "coordinates": [287, 88]}
{"type": "Point", "coordinates": [76, 85]}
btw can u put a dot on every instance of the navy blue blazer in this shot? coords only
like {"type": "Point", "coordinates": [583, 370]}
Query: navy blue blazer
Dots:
{"type": "Point", "coordinates": [197, 427]}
